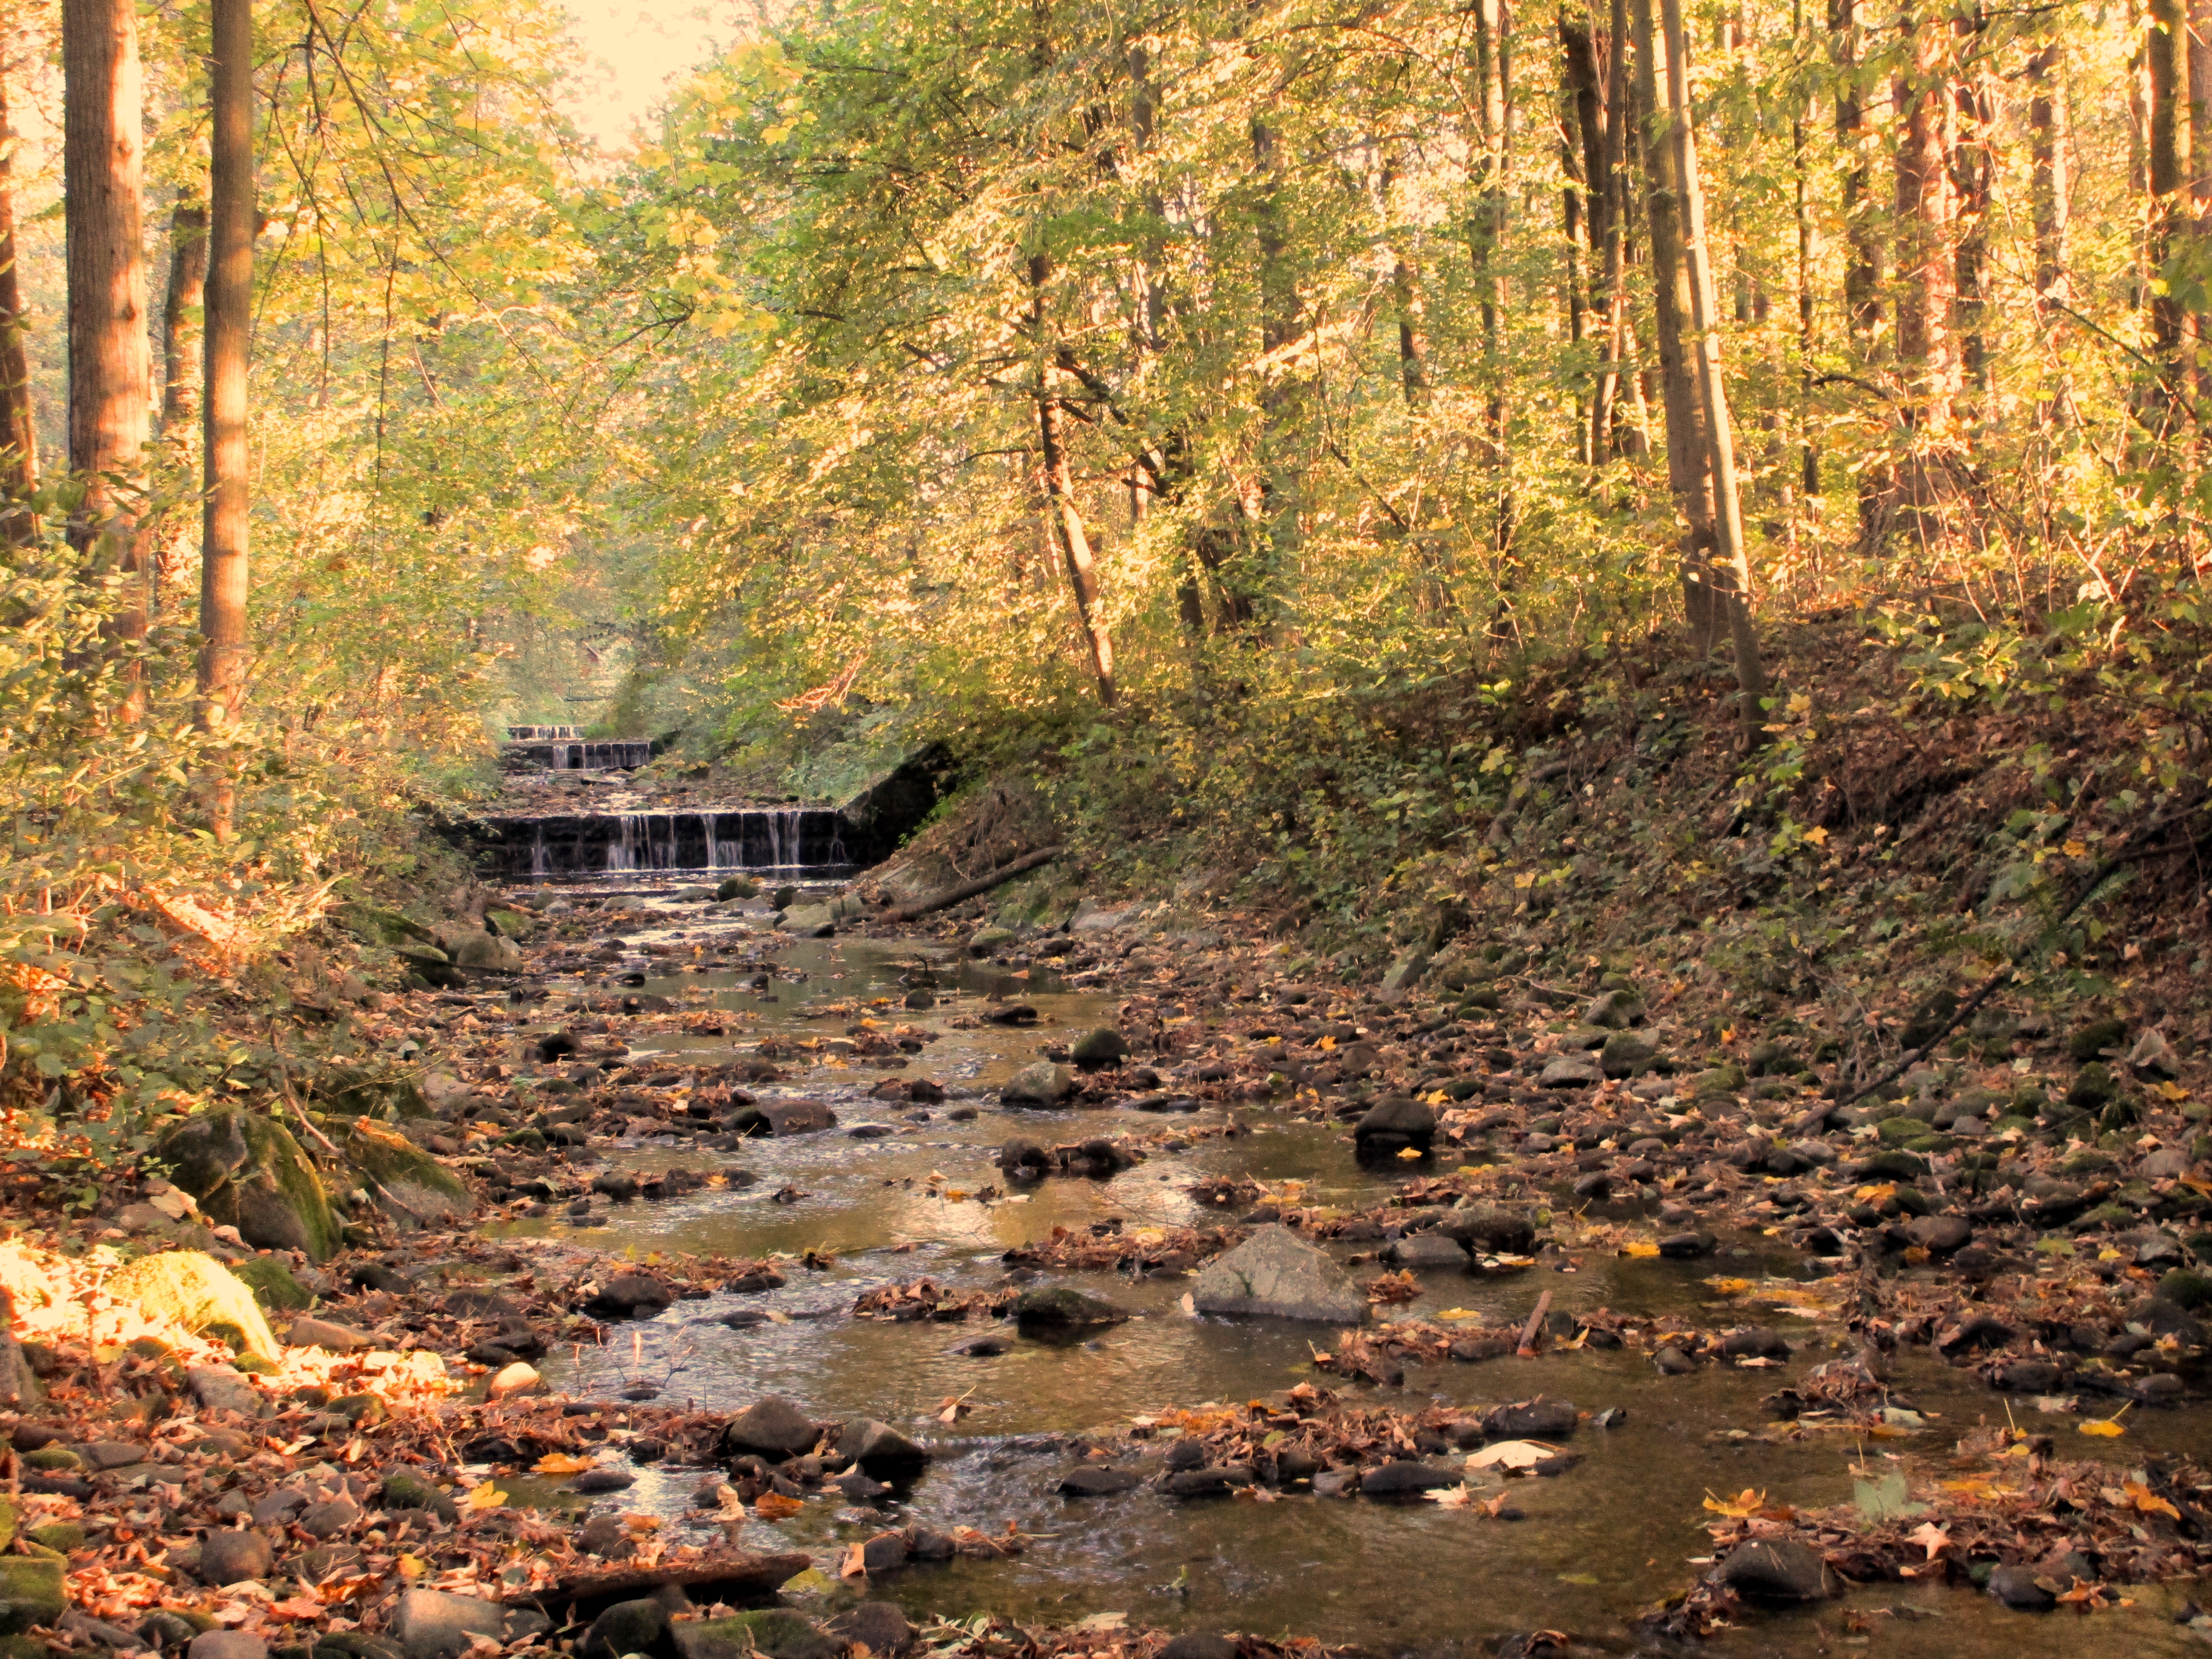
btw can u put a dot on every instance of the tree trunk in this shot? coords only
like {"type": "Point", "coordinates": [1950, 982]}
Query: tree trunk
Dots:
{"type": "Point", "coordinates": [101, 164]}
{"type": "Point", "coordinates": [1688, 463]}
{"type": "Point", "coordinates": [1493, 28]}
{"type": "Point", "coordinates": [223, 585]}
{"type": "Point", "coordinates": [1924, 345]}
{"type": "Point", "coordinates": [1809, 478]}
{"type": "Point", "coordinates": [1611, 192]}
{"type": "Point", "coordinates": [1412, 304]}
{"type": "Point", "coordinates": [1973, 182]}
{"type": "Point", "coordinates": [1862, 248]}
{"type": "Point", "coordinates": [2166, 44]}
{"type": "Point", "coordinates": [19, 465]}
{"type": "Point", "coordinates": [180, 315]}
{"type": "Point", "coordinates": [1731, 563]}
{"type": "Point", "coordinates": [1066, 518]}
{"type": "Point", "coordinates": [2049, 192]}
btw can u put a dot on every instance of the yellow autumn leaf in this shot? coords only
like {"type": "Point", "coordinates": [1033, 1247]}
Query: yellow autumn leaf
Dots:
{"type": "Point", "coordinates": [1639, 1248]}
{"type": "Point", "coordinates": [562, 1463]}
{"type": "Point", "coordinates": [486, 1497]}
{"type": "Point", "coordinates": [1730, 1286]}
{"type": "Point", "coordinates": [413, 1566]}
{"type": "Point", "coordinates": [1411, 1152]}
{"type": "Point", "coordinates": [2103, 1429]}
{"type": "Point", "coordinates": [1817, 835]}
{"type": "Point", "coordinates": [2171, 1091]}
{"type": "Point", "coordinates": [2149, 1502]}
{"type": "Point", "coordinates": [1326, 1045]}
{"type": "Point", "coordinates": [2076, 849]}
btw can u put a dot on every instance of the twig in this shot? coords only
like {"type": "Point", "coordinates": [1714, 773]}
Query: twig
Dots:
{"type": "Point", "coordinates": [1527, 1349]}
{"type": "Point", "coordinates": [969, 889]}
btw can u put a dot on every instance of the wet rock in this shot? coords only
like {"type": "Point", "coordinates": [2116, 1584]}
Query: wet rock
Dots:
{"type": "Point", "coordinates": [509, 1380]}
{"type": "Point", "coordinates": [1024, 1159]}
{"type": "Point", "coordinates": [1533, 1420]}
{"type": "Point", "coordinates": [1472, 1350]}
{"type": "Point", "coordinates": [1103, 1047]}
{"type": "Point", "coordinates": [2016, 1587]}
{"type": "Point", "coordinates": [232, 1558]}
{"type": "Point", "coordinates": [1394, 1122]}
{"type": "Point", "coordinates": [1217, 1480]}
{"type": "Point", "coordinates": [1486, 1230]}
{"type": "Point", "coordinates": [1200, 1644]}
{"type": "Point", "coordinates": [1065, 1307]}
{"type": "Point", "coordinates": [1754, 1342]}
{"type": "Point", "coordinates": [1939, 1235]}
{"type": "Point", "coordinates": [1426, 1251]}
{"type": "Point", "coordinates": [784, 1117]}
{"type": "Point", "coordinates": [1673, 1361]}
{"type": "Point", "coordinates": [874, 1445]}
{"type": "Point", "coordinates": [878, 1627]}
{"type": "Point", "coordinates": [432, 1625]}
{"type": "Point", "coordinates": [1683, 1247]}
{"type": "Point", "coordinates": [1405, 1478]}
{"type": "Point", "coordinates": [858, 1488]}
{"type": "Point", "coordinates": [981, 1347]}
{"type": "Point", "coordinates": [604, 1536]}
{"type": "Point", "coordinates": [1041, 1084]}
{"type": "Point", "coordinates": [1778, 1570]}
{"type": "Point", "coordinates": [1276, 1274]}
{"type": "Point", "coordinates": [772, 1428]}
{"type": "Point", "coordinates": [244, 1170]}
{"type": "Point", "coordinates": [404, 1490]}
{"type": "Point", "coordinates": [2027, 1377]}
{"type": "Point", "coordinates": [1090, 1481]}
{"type": "Point", "coordinates": [1975, 1335]}
{"type": "Point", "coordinates": [603, 1479]}
{"type": "Point", "coordinates": [628, 1296]}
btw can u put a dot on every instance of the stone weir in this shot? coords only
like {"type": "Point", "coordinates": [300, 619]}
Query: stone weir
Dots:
{"type": "Point", "coordinates": [623, 755]}
{"type": "Point", "coordinates": [791, 838]}
{"type": "Point", "coordinates": [543, 733]}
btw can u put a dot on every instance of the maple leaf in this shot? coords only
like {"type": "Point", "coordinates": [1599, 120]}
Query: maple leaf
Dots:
{"type": "Point", "coordinates": [1931, 1538]}
{"type": "Point", "coordinates": [2149, 1502]}
{"type": "Point", "coordinates": [486, 1497]}
{"type": "Point", "coordinates": [1741, 1507]}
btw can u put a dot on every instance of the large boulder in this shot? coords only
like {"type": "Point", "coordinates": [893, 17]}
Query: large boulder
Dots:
{"type": "Point", "coordinates": [247, 1172]}
{"type": "Point", "coordinates": [1394, 1123]}
{"type": "Point", "coordinates": [1041, 1084]}
{"type": "Point", "coordinates": [31, 1593]}
{"type": "Point", "coordinates": [771, 1427]}
{"type": "Point", "coordinates": [1064, 1307]}
{"type": "Point", "coordinates": [432, 1625]}
{"type": "Point", "coordinates": [1277, 1273]}
{"type": "Point", "coordinates": [199, 1293]}
{"type": "Point", "coordinates": [411, 1184]}
{"type": "Point", "coordinates": [1778, 1570]}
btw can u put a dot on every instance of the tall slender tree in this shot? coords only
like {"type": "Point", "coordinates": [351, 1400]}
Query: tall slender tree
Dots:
{"type": "Point", "coordinates": [19, 466]}
{"type": "Point", "coordinates": [223, 584]}
{"type": "Point", "coordinates": [102, 169]}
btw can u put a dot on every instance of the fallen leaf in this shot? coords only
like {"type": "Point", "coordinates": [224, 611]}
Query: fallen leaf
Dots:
{"type": "Point", "coordinates": [2149, 1502]}
{"type": "Point", "coordinates": [563, 1463]}
{"type": "Point", "coordinates": [1741, 1507]}
{"type": "Point", "coordinates": [774, 1506]}
{"type": "Point", "coordinates": [486, 1497]}
{"type": "Point", "coordinates": [1450, 1498]}
{"type": "Point", "coordinates": [1641, 1248]}
{"type": "Point", "coordinates": [2105, 1429]}
{"type": "Point", "coordinates": [855, 1563]}
{"type": "Point", "coordinates": [1931, 1538]}
{"type": "Point", "coordinates": [1101, 1621]}
{"type": "Point", "coordinates": [1512, 1454]}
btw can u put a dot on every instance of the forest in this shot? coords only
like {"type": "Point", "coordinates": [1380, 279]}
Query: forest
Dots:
{"type": "Point", "coordinates": [1395, 709]}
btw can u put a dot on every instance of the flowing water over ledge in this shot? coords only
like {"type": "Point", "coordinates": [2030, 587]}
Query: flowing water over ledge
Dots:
{"type": "Point", "coordinates": [1600, 1544]}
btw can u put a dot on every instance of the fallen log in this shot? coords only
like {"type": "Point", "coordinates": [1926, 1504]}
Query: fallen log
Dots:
{"type": "Point", "coordinates": [952, 896]}
{"type": "Point", "coordinates": [744, 1571]}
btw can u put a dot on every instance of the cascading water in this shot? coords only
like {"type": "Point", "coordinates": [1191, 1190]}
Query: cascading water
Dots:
{"type": "Point", "coordinates": [540, 866]}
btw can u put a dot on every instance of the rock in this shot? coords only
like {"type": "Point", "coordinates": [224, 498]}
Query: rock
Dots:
{"type": "Point", "coordinates": [404, 1490]}
{"type": "Point", "coordinates": [1041, 1084]}
{"type": "Point", "coordinates": [784, 1117]}
{"type": "Point", "coordinates": [509, 1380]}
{"type": "Point", "coordinates": [432, 1625]}
{"type": "Point", "coordinates": [31, 1592]}
{"type": "Point", "coordinates": [246, 1171]}
{"type": "Point", "coordinates": [771, 1427]}
{"type": "Point", "coordinates": [878, 1627]}
{"type": "Point", "coordinates": [330, 1518]}
{"type": "Point", "coordinates": [605, 1536]}
{"type": "Point", "coordinates": [1103, 1047]}
{"type": "Point", "coordinates": [2089, 1041]}
{"type": "Point", "coordinates": [2016, 1587]}
{"type": "Point", "coordinates": [1684, 1247]}
{"type": "Point", "coordinates": [1200, 1644]}
{"type": "Point", "coordinates": [1394, 1122]}
{"type": "Point", "coordinates": [1486, 1230]}
{"type": "Point", "coordinates": [1406, 1477]}
{"type": "Point", "coordinates": [1426, 1251]}
{"type": "Point", "coordinates": [227, 1644]}
{"type": "Point", "coordinates": [1778, 1570]}
{"type": "Point", "coordinates": [2185, 1288]}
{"type": "Point", "coordinates": [1673, 1361]}
{"type": "Point", "coordinates": [199, 1293]}
{"type": "Point", "coordinates": [809, 921]}
{"type": "Point", "coordinates": [1024, 1159]}
{"type": "Point", "coordinates": [1092, 1481]}
{"type": "Point", "coordinates": [737, 887]}
{"type": "Point", "coordinates": [776, 1632]}
{"type": "Point", "coordinates": [1278, 1274]}
{"type": "Point", "coordinates": [272, 1283]}
{"type": "Point", "coordinates": [1615, 1010]}
{"type": "Point", "coordinates": [1625, 1055]}
{"type": "Point", "coordinates": [1064, 1306]}
{"type": "Point", "coordinates": [2092, 1086]}
{"type": "Point", "coordinates": [324, 1333]}
{"type": "Point", "coordinates": [231, 1557]}
{"type": "Point", "coordinates": [1537, 1419]}
{"type": "Point", "coordinates": [1218, 1480]}
{"type": "Point", "coordinates": [1570, 1071]}
{"type": "Point", "coordinates": [415, 1189]}
{"type": "Point", "coordinates": [639, 1626]}
{"type": "Point", "coordinates": [1405, 974]}
{"type": "Point", "coordinates": [1755, 1342]}
{"type": "Point", "coordinates": [629, 1296]}
{"type": "Point", "coordinates": [2152, 1056]}
{"type": "Point", "coordinates": [874, 1445]}
{"type": "Point", "coordinates": [1939, 1235]}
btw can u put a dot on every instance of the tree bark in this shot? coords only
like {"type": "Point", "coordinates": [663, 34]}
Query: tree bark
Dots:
{"type": "Point", "coordinates": [1973, 184]}
{"type": "Point", "coordinates": [1924, 275]}
{"type": "Point", "coordinates": [1731, 564]}
{"type": "Point", "coordinates": [2050, 194]}
{"type": "Point", "coordinates": [1688, 453]}
{"type": "Point", "coordinates": [1862, 249]}
{"type": "Point", "coordinates": [1493, 28]}
{"type": "Point", "coordinates": [1612, 190]}
{"type": "Point", "coordinates": [181, 323]}
{"type": "Point", "coordinates": [1065, 516]}
{"type": "Point", "coordinates": [2167, 46]}
{"type": "Point", "coordinates": [229, 303]}
{"type": "Point", "coordinates": [19, 466]}
{"type": "Point", "coordinates": [101, 171]}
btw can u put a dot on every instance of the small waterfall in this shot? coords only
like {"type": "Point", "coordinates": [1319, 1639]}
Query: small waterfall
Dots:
{"type": "Point", "coordinates": [540, 866]}
{"type": "Point", "coordinates": [622, 854]}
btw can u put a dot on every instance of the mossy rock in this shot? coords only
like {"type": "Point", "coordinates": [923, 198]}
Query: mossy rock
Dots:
{"type": "Point", "coordinates": [368, 1092]}
{"type": "Point", "coordinates": [27, 1647]}
{"type": "Point", "coordinates": [2107, 1215]}
{"type": "Point", "coordinates": [377, 926]}
{"type": "Point", "coordinates": [31, 1592]}
{"type": "Point", "coordinates": [55, 1460]}
{"type": "Point", "coordinates": [2185, 1287]}
{"type": "Point", "coordinates": [6, 1522]}
{"type": "Point", "coordinates": [2092, 1087]}
{"type": "Point", "coordinates": [2089, 1042]}
{"type": "Point", "coordinates": [1897, 1131]}
{"type": "Point", "coordinates": [768, 1632]}
{"type": "Point", "coordinates": [199, 1293]}
{"type": "Point", "coordinates": [246, 1171]}
{"type": "Point", "coordinates": [1894, 1166]}
{"type": "Point", "coordinates": [273, 1286]}
{"type": "Point", "coordinates": [62, 1537]}
{"type": "Point", "coordinates": [1719, 1081]}
{"type": "Point", "coordinates": [737, 887]}
{"type": "Point", "coordinates": [513, 923]}
{"type": "Point", "coordinates": [407, 1173]}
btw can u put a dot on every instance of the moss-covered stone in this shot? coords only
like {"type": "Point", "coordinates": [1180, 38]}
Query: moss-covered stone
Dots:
{"type": "Point", "coordinates": [62, 1537]}
{"type": "Point", "coordinates": [2088, 1042]}
{"type": "Point", "coordinates": [245, 1170]}
{"type": "Point", "coordinates": [406, 1173]}
{"type": "Point", "coordinates": [31, 1593]}
{"type": "Point", "coordinates": [2091, 1087]}
{"type": "Point", "coordinates": [53, 1459]}
{"type": "Point", "coordinates": [273, 1286]}
{"type": "Point", "coordinates": [368, 1092]}
{"type": "Point", "coordinates": [199, 1293]}
{"type": "Point", "coordinates": [776, 1632]}
{"type": "Point", "coordinates": [2185, 1287]}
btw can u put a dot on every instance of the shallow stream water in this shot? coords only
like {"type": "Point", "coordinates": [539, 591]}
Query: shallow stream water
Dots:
{"type": "Point", "coordinates": [1600, 1545]}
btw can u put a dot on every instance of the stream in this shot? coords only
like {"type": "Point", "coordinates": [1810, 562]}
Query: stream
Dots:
{"type": "Point", "coordinates": [1598, 1545]}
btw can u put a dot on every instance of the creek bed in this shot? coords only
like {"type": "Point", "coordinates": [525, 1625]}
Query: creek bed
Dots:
{"type": "Point", "coordinates": [1600, 1545]}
